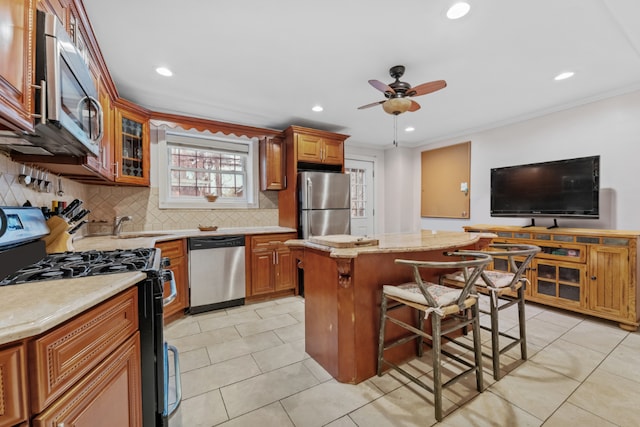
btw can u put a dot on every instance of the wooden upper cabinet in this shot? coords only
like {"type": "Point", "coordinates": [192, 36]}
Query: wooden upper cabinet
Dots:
{"type": "Point", "coordinates": [131, 147]}
{"type": "Point", "coordinates": [103, 164]}
{"type": "Point", "coordinates": [319, 149]}
{"type": "Point", "coordinates": [272, 164]}
{"type": "Point", "coordinates": [17, 63]}
{"type": "Point", "coordinates": [13, 385]}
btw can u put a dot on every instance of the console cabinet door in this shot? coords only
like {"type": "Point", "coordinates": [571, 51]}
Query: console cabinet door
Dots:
{"type": "Point", "coordinates": [16, 63]}
{"type": "Point", "coordinates": [109, 396]}
{"type": "Point", "coordinates": [609, 280]}
{"type": "Point", "coordinates": [13, 386]}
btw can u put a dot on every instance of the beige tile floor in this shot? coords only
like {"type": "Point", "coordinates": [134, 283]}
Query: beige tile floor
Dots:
{"type": "Point", "coordinates": [247, 366]}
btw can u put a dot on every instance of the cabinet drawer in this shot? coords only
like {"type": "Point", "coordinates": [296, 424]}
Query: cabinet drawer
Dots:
{"type": "Point", "coordinates": [13, 386]}
{"type": "Point", "coordinates": [172, 248]}
{"type": "Point", "coordinates": [271, 239]}
{"type": "Point", "coordinates": [61, 357]}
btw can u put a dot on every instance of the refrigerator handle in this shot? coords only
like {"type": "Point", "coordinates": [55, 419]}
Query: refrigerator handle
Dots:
{"type": "Point", "coordinates": [309, 198]}
{"type": "Point", "coordinates": [309, 189]}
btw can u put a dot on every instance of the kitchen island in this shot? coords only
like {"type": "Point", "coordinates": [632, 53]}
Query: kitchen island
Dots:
{"type": "Point", "coordinates": [342, 289]}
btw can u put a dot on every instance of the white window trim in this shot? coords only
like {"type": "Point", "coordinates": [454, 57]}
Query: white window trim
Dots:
{"type": "Point", "coordinates": [205, 141]}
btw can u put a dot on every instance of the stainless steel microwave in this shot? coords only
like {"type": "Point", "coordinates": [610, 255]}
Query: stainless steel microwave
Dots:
{"type": "Point", "coordinates": [69, 119]}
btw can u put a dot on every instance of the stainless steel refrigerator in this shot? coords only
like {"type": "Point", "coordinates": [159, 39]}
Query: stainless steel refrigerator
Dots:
{"type": "Point", "coordinates": [324, 199]}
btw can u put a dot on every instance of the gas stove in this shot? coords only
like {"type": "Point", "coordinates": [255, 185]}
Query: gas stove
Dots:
{"type": "Point", "coordinates": [81, 264]}
{"type": "Point", "coordinates": [23, 259]}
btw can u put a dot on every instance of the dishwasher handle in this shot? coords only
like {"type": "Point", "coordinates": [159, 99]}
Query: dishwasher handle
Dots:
{"type": "Point", "coordinates": [214, 242]}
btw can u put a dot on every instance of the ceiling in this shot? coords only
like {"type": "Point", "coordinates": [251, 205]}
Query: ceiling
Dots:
{"type": "Point", "coordinates": [267, 63]}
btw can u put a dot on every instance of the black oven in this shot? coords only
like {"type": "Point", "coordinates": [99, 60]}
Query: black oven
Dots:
{"type": "Point", "coordinates": [23, 259]}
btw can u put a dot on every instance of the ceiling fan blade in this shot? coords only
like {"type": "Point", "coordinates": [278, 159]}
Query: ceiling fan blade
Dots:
{"type": "Point", "coordinates": [414, 106]}
{"type": "Point", "coordinates": [382, 87]}
{"type": "Point", "coordinates": [373, 104]}
{"type": "Point", "coordinates": [426, 88]}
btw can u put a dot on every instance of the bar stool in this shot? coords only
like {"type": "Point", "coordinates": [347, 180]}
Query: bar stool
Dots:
{"type": "Point", "coordinates": [500, 286]}
{"type": "Point", "coordinates": [452, 309]}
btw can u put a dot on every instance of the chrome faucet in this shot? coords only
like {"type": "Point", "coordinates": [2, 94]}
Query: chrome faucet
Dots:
{"type": "Point", "coordinates": [117, 224]}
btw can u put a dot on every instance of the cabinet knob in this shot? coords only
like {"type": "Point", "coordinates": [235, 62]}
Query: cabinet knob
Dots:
{"type": "Point", "coordinates": [593, 277]}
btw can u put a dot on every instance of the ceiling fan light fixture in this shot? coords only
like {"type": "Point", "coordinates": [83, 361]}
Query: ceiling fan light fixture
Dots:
{"type": "Point", "coordinates": [458, 10]}
{"type": "Point", "coordinates": [396, 106]}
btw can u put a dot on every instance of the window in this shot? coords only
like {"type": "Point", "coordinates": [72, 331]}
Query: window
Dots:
{"type": "Point", "coordinates": [193, 167]}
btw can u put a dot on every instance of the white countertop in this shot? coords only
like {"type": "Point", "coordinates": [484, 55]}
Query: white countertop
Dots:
{"type": "Point", "coordinates": [147, 239]}
{"type": "Point", "coordinates": [424, 240]}
{"type": "Point", "coordinates": [28, 309]}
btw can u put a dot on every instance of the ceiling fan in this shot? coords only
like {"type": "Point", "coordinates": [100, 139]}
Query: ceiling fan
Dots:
{"type": "Point", "coordinates": [398, 92]}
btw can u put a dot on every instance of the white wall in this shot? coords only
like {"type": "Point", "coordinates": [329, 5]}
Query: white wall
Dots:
{"type": "Point", "coordinates": [609, 128]}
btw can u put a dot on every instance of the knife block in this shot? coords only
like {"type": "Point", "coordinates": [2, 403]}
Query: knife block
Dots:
{"type": "Point", "coordinates": [58, 239]}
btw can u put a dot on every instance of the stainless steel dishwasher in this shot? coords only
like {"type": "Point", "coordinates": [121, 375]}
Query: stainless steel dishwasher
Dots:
{"type": "Point", "coordinates": [216, 272]}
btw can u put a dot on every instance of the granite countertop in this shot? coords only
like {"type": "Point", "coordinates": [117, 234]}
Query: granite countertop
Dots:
{"type": "Point", "coordinates": [424, 240]}
{"type": "Point", "coordinates": [147, 239]}
{"type": "Point", "coordinates": [29, 309]}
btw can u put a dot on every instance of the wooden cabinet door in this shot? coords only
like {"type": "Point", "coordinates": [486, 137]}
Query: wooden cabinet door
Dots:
{"type": "Point", "coordinates": [131, 149]}
{"type": "Point", "coordinates": [17, 63]}
{"type": "Point", "coordinates": [284, 272]}
{"type": "Point", "coordinates": [176, 251]}
{"type": "Point", "coordinates": [262, 261]}
{"type": "Point", "coordinates": [609, 280]}
{"type": "Point", "coordinates": [103, 164]}
{"type": "Point", "coordinates": [309, 148]}
{"type": "Point", "coordinates": [333, 152]}
{"type": "Point", "coordinates": [13, 386]}
{"type": "Point", "coordinates": [108, 396]}
{"type": "Point", "coordinates": [561, 284]}
{"type": "Point", "coordinates": [272, 164]}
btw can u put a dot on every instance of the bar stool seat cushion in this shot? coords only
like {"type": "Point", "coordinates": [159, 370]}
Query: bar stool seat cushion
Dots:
{"type": "Point", "coordinates": [499, 279]}
{"type": "Point", "coordinates": [443, 295]}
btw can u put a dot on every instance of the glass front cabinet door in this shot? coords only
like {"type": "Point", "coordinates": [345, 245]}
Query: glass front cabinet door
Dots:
{"type": "Point", "coordinates": [131, 148]}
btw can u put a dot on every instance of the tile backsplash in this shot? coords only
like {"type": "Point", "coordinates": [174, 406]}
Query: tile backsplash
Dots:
{"type": "Point", "coordinates": [13, 193]}
{"type": "Point", "coordinates": [141, 203]}
{"type": "Point", "coordinates": [106, 202]}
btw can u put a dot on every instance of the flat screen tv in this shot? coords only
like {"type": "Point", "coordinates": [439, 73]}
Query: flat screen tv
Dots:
{"type": "Point", "coordinates": [561, 188]}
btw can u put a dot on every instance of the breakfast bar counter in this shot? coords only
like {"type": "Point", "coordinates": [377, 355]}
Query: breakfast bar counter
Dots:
{"type": "Point", "coordinates": [342, 289]}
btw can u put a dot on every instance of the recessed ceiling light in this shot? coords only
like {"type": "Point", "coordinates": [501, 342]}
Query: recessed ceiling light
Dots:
{"type": "Point", "coordinates": [409, 129]}
{"type": "Point", "coordinates": [163, 71]}
{"type": "Point", "coordinates": [458, 10]}
{"type": "Point", "coordinates": [317, 108]}
{"type": "Point", "coordinates": [564, 75]}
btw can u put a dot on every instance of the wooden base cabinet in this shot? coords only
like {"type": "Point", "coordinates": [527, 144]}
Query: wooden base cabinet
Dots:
{"type": "Point", "coordinates": [176, 251]}
{"type": "Point", "coordinates": [109, 396]}
{"type": "Point", "coordinates": [13, 385]}
{"type": "Point", "coordinates": [589, 271]}
{"type": "Point", "coordinates": [271, 269]}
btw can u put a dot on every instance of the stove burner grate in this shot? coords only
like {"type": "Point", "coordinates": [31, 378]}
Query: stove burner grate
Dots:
{"type": "Point", "coordinates": [82, 264]}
